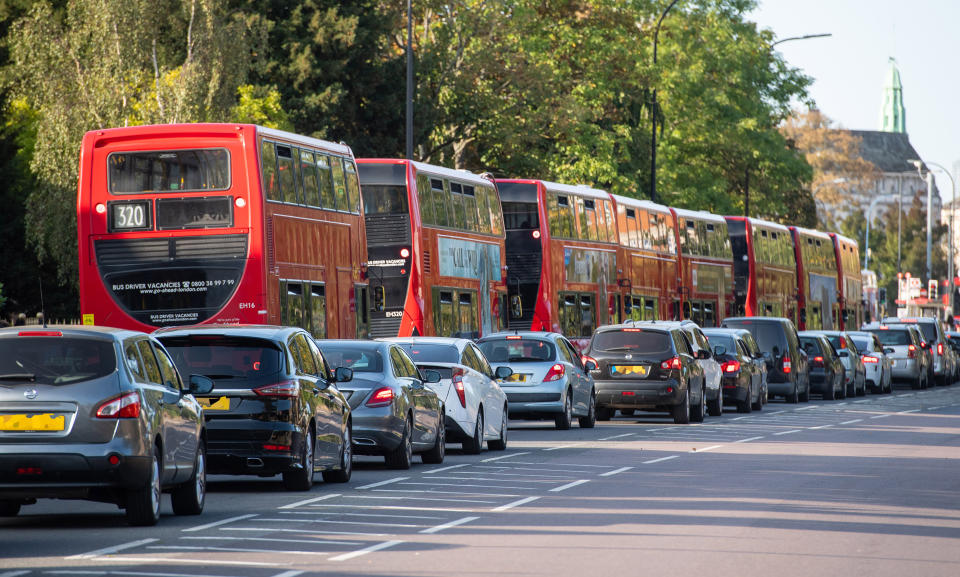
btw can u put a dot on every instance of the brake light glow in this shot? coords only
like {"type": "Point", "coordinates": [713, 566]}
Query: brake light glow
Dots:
{"type": "Point", "coordinates": [730, 366]}
{"type": "Point", "coordinates": [513, 337]}
{"type": "Point", "coordinates": [381, 397]}
{"type": "Point", "coordinates": [912, 351]}
{"type": "Point", "coordinates": [870, 360]}
{"type": "Point", "coordinates": [633, 330]}
{"type": "Point", "coordinates": [39, 334]}
{"type": "Point", "coordinates": [123, 407]}
{"type": "Point", "coordinates": [818, 361]}
{"type": "Point", "coordinates": [458, 386]}
{"type": "Point", "coordinates": [939, 348]}
{"type": "Point", "coordinates": [673, 363]}
{"type": "Point", "coordinates": [285, 389]}
{"type": "Point", "coordinates": [787, 365]}
{"type": "Point", "coordinates": [276, 448]}
{"type": "Point", "coordinates": [555, 373]}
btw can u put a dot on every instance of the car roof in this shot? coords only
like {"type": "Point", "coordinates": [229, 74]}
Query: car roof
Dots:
{"type": "Point", "coordinates": [778, 320]}
{"type": "Point", "coordinates": [453, 341]}
{"type": "Point", "coordinates": [274, 332]}
{"type": "Point", "coordinates": [522, 334]}
{"type": "Point", "coordinates": [72, 331]}
{"type": "Point", "coordinates": [355, 343]}
{"type": "Point", "coordinates": [664, 326]}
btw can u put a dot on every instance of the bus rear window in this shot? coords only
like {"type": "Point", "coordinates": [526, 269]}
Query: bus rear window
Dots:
{"type": "Point", "coordinates": [168, 171]}
{"type": "Point", "coordinates": [379, 199]}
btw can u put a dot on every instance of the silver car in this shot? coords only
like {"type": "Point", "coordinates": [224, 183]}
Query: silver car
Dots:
{"type": "Point", "coordinates": [904, 345]}
{"type": "Point", "coordinates": [100, 414]}
{"type": "Point", "coordinates": [933, 334]}
{"type": "Point", "coordinates": [549, 381]}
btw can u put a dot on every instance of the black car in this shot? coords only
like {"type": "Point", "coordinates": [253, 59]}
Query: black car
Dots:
{"type": "Point", "coordinates": [647, 366]}
{"type": "Point", "coordinates": [275, 407]}
{"type": "Point", "coordinates": [788, 373]}
{"type": "Point", "coordinates": [740, 377]}
{"type": "Point", "coordinates": [827, 374]}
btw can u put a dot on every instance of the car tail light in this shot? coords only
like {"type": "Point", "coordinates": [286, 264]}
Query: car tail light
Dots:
{"type": "Point", "coordinates": [730, 366]}
{"type": "Point", "coordinates": [277, 448]}
{"type": "Point", "coordinates": [381, 397]}
{"type": "Point", "coordinates": [912, 351]}
{"type": "Point", "coordinates": [818, 361]}
{"type": "Point", "coordinates": [284, 389]}
{"type": "Point", "coordinates": [458, 386]}
{"type": "Point", "coordinates": [870, 360]}
{"type": "Point", "coordinates": [123, 407]}
{"type": "Point", "coordinates": [555, 373]}
{"type": "Point", "coordinates": [673, 363]}
{"type": "Point", "coordinates": [585, 358]}
{"type": "Point", "coordinates": [940, 348]}
{"type": "Point", "coordinates": [787, 365]}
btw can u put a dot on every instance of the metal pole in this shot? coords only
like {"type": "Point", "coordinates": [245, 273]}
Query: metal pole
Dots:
{"type": "Point", "coordinates": [409, 80]}
{"type": "Point", "coordinates": [653, 128]}
{"type": "Point", "coordinates": [953, 197]}
{"type": "Point", "coordinates": [929, 225]}
{"type": "Point", "coordinates": [866, 253]}
{"type": "Point", "coordinates": [899, 217]}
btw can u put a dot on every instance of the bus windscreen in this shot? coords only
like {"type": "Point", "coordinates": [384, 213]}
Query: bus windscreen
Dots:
{"type": "Point", "coordinates": [380, 199]}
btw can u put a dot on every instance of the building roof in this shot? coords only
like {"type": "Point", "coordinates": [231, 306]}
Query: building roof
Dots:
{"type": "Point", "coordinates": [888, 151]}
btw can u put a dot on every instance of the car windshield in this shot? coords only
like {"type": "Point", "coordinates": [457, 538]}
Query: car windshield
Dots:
{"type": "Point", "coordinates": [361, 360]}
{"type": "Point", "coordinates": [769, 335]}
{"type": "Point", "coordinates": [518, 351]}
{"type": "Point", "coordinates": [893, 338]}
{"type": "Point", "coordinates": [231, 361]}
{"type": "Point", "coordinates": [431, 353]}
{"type": "Point", "coordinates": [639, 340]}
{"type": "Point", "coordinates": [55, 360]}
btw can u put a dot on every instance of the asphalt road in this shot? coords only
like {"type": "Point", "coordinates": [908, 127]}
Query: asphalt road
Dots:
{"type": "Point", "coordinates": [867, 486]}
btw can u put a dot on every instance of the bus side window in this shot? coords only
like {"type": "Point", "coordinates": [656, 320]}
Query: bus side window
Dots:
{"type": "Point", "coordinates": [565, 210]}
{"type": "Point", "coordinates": [496, 212]}
{"type": "Point", "coordinates": [440, 202]}
{"type": "Point", "coordinates": [288, 189]}
{"type": "Point", "coordinates": [268, 160]}
{"type": "Point", "coordinates": [580, 219]}
{"type": "Point", "coordinates": [308, 170]}
{"type": "Point", "coordinates": [291, 303]}
{"type": "Point", "coordinates": [610, 222]}
{"type": "Point", "coordinates": [470, 208]}
{"type": "Point", "coordinates": [339, 185]}
{"type": "Point", "coordinates": [318, 311]}
{"type": "Point", "coordinates": [467, 313]}
{"type": "Point", "coordinates": [426, 200]}
{"type": "Point", "coordinates": [587, 320]}
{"type": "Point", "coordinates": [353, 186]}
{"type": "Point", "coordinates": [485, 220]}
{"type": "Point", "coordinates": [325, 177]}
{"type": "Point", "coordinates": [455, 194]}
{"type": "Point", "coordinates": [443, 316]}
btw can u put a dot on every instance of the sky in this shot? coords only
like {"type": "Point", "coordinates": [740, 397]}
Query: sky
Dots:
{"type": "Point", "coordinates": [850, 67]}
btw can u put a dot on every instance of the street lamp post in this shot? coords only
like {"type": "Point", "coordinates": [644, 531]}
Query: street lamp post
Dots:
{"type": "Point", "coordinates": [953, 197]}
{"type": "Point", "coordinates": [409, 80]}
{"type": "Point", "coordinates": [804, 37]}
{"type": "Point", "coordinates": [653, 129]}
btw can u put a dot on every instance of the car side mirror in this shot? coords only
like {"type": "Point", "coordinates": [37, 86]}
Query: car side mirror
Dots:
{"type": "Point", "coordinates": [703, 354]}
{"type": "Point", "coordinates": [590, 365]}
{"type": "Point", "coordinates": [343, 374]}
{"type": "Point", "coordinates": [503, 372]}
{"type": "Point", "coordinates": [200, 385]}
{"type": "Point", "coordinates": [431, 376]}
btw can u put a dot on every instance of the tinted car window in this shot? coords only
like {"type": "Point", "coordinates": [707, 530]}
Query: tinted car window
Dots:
{"type": "Point", "coordinates": [811, 345]}
{"type": "Point", "coordinates": [397, 361]}
{"type": "Point", "coordinates": [409, 369]}
{"type": "Point", "coordinates": [767, 334]}
{"type": "Point", "coordinates": [683, 343]}
{"type": "Point", "coordinates": [358, 359]}
{"type": "Point", "coordinates": [517, 351]}
{"type": "Point", "coordinates": [150, 366]}
{"type": "Point", "coordinates": [323, 369]}
{"type": "Point", "coordinates": [726, 341]}
{"type": "Point", "coordinates": [57, 360]}
{"type": "Point", "coordinates": [431, 353]}
{"type": "Point", "coordinates": [132, 358]}
{"type": "Point", "coordinates": [231, 361]}
{"type": "Point", "coordinates": [632, 340]}
{"type": "Point", "coordinates": [894, 338]}
{"type": "Point", "coordinates": [862, 343]}
{"type": "Point", "coordinates": [167, 369]}
{"type": "Point", "coordinates": [306, 364]}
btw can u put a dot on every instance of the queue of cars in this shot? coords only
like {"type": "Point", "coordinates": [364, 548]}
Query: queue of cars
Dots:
{"type": "Point", "coordinates": [121, 417]}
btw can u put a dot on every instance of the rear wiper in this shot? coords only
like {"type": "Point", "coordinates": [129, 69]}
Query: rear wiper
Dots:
{"type": "Point", "coordinates": [18, 377]}
{"type": "Point", "coordinates": [617, 349]}
{"type": "Point", "coordinates": [215, 377]}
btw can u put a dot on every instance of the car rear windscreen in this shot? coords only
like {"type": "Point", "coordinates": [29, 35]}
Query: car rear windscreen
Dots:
{"type": "Point", "coordinates": [55, 360]}
{"type": "Point", "coordinates": [231, 361]}
{"type": "Point", "coordinates": [726, 341]}
{"type": "Point", "coordinates": [928, 330]}
{"type": "Point", "coordinates": [769, 335]}
{"type": "Point", "coordinates": [360, 360]}
{"type": "Point", "coordinates": [862, 344]}
{"type": "Point", "coordinates": [636, 340]}
{"type": "Point", "coordinates": [518, 351]}
{"type": "Point", "coordinates": [810, 345]}
{"type": "Point", "coordinates": [892, 337]}
{"type": "Point", "coordinates": [431, 353]}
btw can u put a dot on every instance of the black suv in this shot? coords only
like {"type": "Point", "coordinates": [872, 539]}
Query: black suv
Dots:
{"type": "Point", "coordinates": [788, 374]}
{"type": "Point", "coordinates": [275, 407]}
{"type": "Point", "coordinates": [647, 365]}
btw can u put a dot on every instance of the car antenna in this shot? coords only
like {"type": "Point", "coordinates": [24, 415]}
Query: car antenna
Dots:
{"type": "Point", "coordinates": [43, 312]}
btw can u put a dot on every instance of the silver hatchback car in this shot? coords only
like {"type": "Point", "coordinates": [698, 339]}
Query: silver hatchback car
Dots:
{"type": "Point", "coordinates": [100, 414]}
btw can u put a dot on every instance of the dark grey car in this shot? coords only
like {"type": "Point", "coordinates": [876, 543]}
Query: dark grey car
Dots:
{"type": "Point", "coordinates": [394, 413]}
{"type": "Point", "coordinates": [100, 414]}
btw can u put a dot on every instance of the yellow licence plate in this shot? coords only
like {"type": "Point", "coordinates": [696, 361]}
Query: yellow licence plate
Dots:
{"type": "Point", "coordinates": [221, 404]}
{"type": "Point", "coordinates": [41, 422]}
{"type": "Point", "coordinates": [640, 370]}
{"type": "Point", "coordinates": [516, 378]}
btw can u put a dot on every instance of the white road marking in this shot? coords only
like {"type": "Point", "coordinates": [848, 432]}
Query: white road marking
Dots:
{"type": "Point", "coordinates": [235, 550]}
{"type": "Point", "coordinates": [382, 483]}
{"type": "Point", "coordinates": [933, 408]}
{"type": "Point", "coordinates": [879, 416]}
{"type": "Point", "coordinates": [14, 573]}
{"type": "Point", "coordinates": [134, 573]}
{"type": "Point", "coordinates": [441, 469]}
{"type": "Point", "coordinates": [559, 465]}
{"type": "Point", "coordinates": [272, 540]}
{"type": "Point", "coordinates": [184, 560]}
{"type": "Point", "coordinates": [432, 498]}
{"type": "Point", "coordinates": [402, 508]}
{"type": "Point", "coordinates": [786, 432]}
{"type": "Point", "coordinates": [705, 449]}
{"type": "Point", "coordinates": [218, 523]}
{"type": "Point", "coordinates": [738, 418]}
{"type": "Point", "coordinates": [439, 528]}
{"type": "Point", "coordinates": [275, 530]}
{"type": "Point", "coordinates": [509, 506]}
{"type": "Point", "coordinates": [571, 446]}
{"type": "Point", "coordinates": [615, 472]}
{"type": "Point", "coordinates": [341, 522]}
{"type": "Point", "coordinates": [910, 411]}
{"type": "Point", "coordinates": [748, 440]}
{"type": "Point", "coordinates": [308, 501]}
{"type": "Point", "coordinates": [465, 485]}
{"type": "Point", "coordinates": [851, 422]}
{"type": "Point", "coordinates": [504, 457]}
{"type": "Point", "coordinates": [804, 408]}
{"type": "Point", "coordinates": [660, 459]}
{"type": "Point", "coordinates": [775, 413]}
{"type": "Point", "coordinates": [364, 551]}
{"type": "Point", "coordinates": [569, 485]}
{"type": "Point", "coordinates": [821, 427]}
{"type": "Point", "coordinates": [112, 550]}
{"type": "Point", "coordinates": [361, 514]}
{"type": "Point", "coordinates": [289, 574]}
{"type": "Point", "coordinates": [617, 436]}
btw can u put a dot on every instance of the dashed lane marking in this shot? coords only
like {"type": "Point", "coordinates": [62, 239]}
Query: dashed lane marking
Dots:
{"type": "Point", "coordinates": [851, 422]}
{"type": "Point", "coordinates": [445, 526]}
{"type": "Point", "coordinates": [910, 411]}
{"type": "Point", "coordinates": [219, 523]}
{"type": "Point", "coordinates": [112, 550]}
{"type": "Point", "coordinates": [569, 485]}
{"type": "Point", "coordinates": [571, 446]}
{"type": "Point", "coordinates": [235, 550]}
{"type": "Point", "coordinates": [273, 540]}
{"type": "Point", "coordinates": [514, 504]}
{"type": "Point", "coordinates": [276, 530]}
{"type": "Point", "coordinates": [301, 503]}
{"type": "Point", "coordinates": [617, 437]}
{"type": "Point", "coordinates": [131, 573]}
{"type": "Point", "coordinates": [879, 416]}
{"type": "Point", "coordinates": [382, 483]}
{"type": "Point", "coordinates": [705, 449]}
{"type": "Point", "coordinates": [615, 472]}
{"type": "Point", "coordinates": [661, 459]}
{"type": "Point", "coordinates": [786, 432]}
{"type": "Point", "coordinates": [442, 469]}
{"type": "Point", "coordinates": [504, 457]}
{"type": "Point", "coordinates": [821, 427]}
{"type": "Point", "coordinates": [365, 550]}
{"type": "Point", "coordinates": [748, 440]}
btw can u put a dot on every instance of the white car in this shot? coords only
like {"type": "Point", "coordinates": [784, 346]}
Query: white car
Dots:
{"type": "Point", "coordinates": [476, 406]}
{"type": "Point", "coordinates": [875, 360]}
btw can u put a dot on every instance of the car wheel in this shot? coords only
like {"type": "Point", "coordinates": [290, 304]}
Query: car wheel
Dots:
{"type": "Point", "coordinates": [715, 406]}
{"type": "Point", "coordinates": [863, 388]}
{"type": "Point", "coordinates": [590, 420]}
{"type": "Point", "coordinates": [188, 499]}
{"type": "Point", "coordinates": [301, 478]}
{"type": "Point", "coordinates": [500, 443]}
{"type": "Point", "coordinates": [9, 508]}
{"type": "Point", "coordinates": [805, 396]}
{"type": "Point", "coordinates": [794, 397]}
{"type": "Point", "coordinates": [565, 419]}
{"type": "Point", "coordinates": [699, 411]}
{"type": "Point", "coordinates": [439, 450]}
{"type": "Point", "coordinates": [604, 414]}
{"type": "Point", "coordinates": [918, 384]}
{"type": "Point", "coordinates": [681, 412]}
{"type": "Point", "coordinates": [143, 504]}
{"type": "Point", "coordinates": [745, 406]}
{"type": "Point", "coordinates": [475, 445]}
{"type": "Point", "coordinates": [402, 456]}
{"type": "Point", "coordinates": [758, 406]}
{"type": "Point", "coordinates": [345, 471]}
{"type": "Point", "coordinates": [830, 392]}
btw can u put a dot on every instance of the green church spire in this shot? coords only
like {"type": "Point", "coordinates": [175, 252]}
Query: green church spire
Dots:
{"type": "Point", "coordinates": [893, 116]}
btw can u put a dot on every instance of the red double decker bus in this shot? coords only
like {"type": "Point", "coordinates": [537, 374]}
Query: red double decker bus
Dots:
{"type": "Point", "coordinates": [764, 268]}
{"type": "Point", "coordinates": [561, 257]}
{"type": "Point", "coordinates": [219, 223]}
{"type": "Point", "coordinates": [817, 280]}
{"type": "Point", "coordinates": [435, 242]}
{"type": "Point", "coordinates": [706, 288]}
{"type": "Point", "coordinates": [648, 271]}
{"type": "Point", "coordinates": [851, 282]}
